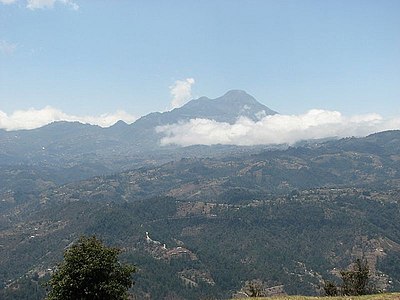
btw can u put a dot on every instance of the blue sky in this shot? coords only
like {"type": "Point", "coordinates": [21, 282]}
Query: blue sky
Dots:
{"type": "Point", "coordinates": [97, 57]}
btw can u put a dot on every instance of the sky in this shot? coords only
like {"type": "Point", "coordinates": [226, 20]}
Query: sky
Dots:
{"type": "Point", "coordinates": [100, 61]}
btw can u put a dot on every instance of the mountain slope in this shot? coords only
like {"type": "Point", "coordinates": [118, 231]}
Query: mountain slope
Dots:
{"type": "Point", "coordinates": [63, 152]}
{"type": "Point", "coordinates": [294, 240]}
{"type": "Point", "coordinates": [288, 218]}
{"type": "Point", "coordinates": [71, 142]}
{"type": "Point", "coordinates": [227, 108]}
{"type": "Point", "coordinates": [356, 162]}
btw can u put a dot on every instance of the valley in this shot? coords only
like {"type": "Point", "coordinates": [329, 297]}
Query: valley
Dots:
{"type": "Point", "coordinates": [285, 217]}
{"type": "Point", "coordinates": [199, 222]}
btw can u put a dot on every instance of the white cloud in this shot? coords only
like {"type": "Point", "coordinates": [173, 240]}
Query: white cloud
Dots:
{"type": "Point", "coordinates": [181, 92]}
{"type": "Point", "coordinates": [42, 4]}
{"type": "Point", "coordinates": [7, 47]}
{"type": "Point", "coordinates": [275, 129]}
{"type": "Point", "coordinates": [7, 1]}
{"type": "Point", "coordinates": [34, 118]}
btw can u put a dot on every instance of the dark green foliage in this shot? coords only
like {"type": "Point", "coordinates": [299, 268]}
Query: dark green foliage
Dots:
{"type": "Point", "coordinates": [330, 288]}
{"type": "Point", "coordinates": [234, 244]}
{"type": "Point", "coordinates": [355, 281]}
{"type": "Point", "coordinates": [90, 270]}
{"type": "Point", "coordinates": [254, 288]}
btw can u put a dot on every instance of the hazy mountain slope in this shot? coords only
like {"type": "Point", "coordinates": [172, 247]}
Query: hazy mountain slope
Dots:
{"type": "Point", "coordinates": [73, 138]}
{"type": "Point", "coordinates": [227, 108]}
{"type": "Point", "coordinates": [342, 163]}
{"type": "Point", "coordinates": [121, 146]}
{"type": "Point", "coordinates": [286, 217]}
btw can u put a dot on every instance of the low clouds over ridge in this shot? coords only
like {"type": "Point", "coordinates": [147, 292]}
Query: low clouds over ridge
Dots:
{"type": "Point", "coordinates": [34, 118]}
{"type": "Point", "coordinates": [275, 129]}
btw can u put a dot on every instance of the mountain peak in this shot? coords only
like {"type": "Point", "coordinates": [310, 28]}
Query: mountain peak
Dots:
{"type": "Point", "coordinates": [235, 93]}
{"type": "Point", "coordinates": [119, 123]}
{"type": "Point", "coordinates": [227, 108]}
{"type": "Point", "coordinates": [240, 98]}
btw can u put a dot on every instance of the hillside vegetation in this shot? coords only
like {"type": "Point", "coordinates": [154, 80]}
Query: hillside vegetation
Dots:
{"type": "Point", "coordinates": [202, 228]}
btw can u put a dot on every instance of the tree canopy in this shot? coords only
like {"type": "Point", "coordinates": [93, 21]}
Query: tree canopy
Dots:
{"type": "Point", "coordinates": [91, 270]}
{"type": "Point", "coordinates": [355, 281]}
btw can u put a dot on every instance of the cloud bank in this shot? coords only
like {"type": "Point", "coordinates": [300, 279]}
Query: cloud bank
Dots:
{"type": "Point", "coordinates": [276, 129]}
{"type": "Point", "coordinates": [181, 92]}
{"type": "Point", "coordinates": [34, 118]}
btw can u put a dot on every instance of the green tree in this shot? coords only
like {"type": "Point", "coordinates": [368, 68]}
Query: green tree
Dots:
{"type": "Point", "coordinates": [355, 281]}
{"type": "Point", "coordinates": [254, 288]}
{"type": "Point", "coordinates": [90, 271]}
{"type": "Point", "coordinates": [330, 288]}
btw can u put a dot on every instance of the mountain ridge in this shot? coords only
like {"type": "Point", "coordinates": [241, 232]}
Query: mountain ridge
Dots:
{"type": "Point", "coordinates": [227, 108]}
{"type": "Point", "coordinates": [70, 143]}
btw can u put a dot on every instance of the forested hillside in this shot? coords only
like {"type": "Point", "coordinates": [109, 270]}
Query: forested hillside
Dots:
{"type": "Point", "coordinates": [198, 228]}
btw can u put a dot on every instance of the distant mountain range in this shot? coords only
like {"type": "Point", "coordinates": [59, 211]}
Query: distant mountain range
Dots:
{"type": "Point", "coordinates": [227, 108]}
{"type": "Point", "coordinates": [72, 143]}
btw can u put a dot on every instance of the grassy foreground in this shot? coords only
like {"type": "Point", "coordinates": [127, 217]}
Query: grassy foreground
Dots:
{"type": "Point", "coordinates": [394, 296]}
